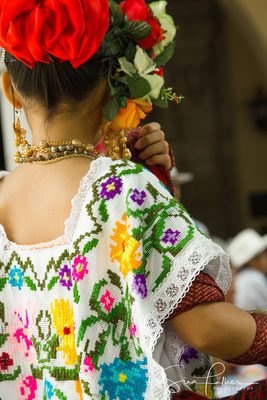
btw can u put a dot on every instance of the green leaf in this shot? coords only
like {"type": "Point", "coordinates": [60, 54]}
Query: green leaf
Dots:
{"type": "Point", "coordinates": [52, 283]}
{"type": "Point", "coordinates": [139, 30]}
{"type": "Point", "coordinates": [115, 279]}
{"type": "Point", "coordinates": [103, 210]}
{"type": "Point", "coordinates": [76, 295]}
{"type": "Point", "coordinates": [116, 12]}
{"type": "Point", "coordinates": [29, 282]}
{"type": "Point", "coordinates": [111, 109]}
{"type": "Point", "coordinates": [3, 338]}
{"type": "Point", "coordinates": [127, 66]}
{"type": "Point", "coordinates": [166, 55]}
{"type": "Point", "coordinates": [130, 51]}
{"type": "Point", "coordinates": [90, 245]}
{"type": "Point", "coordinates": [162, 101]}
{"type": "Point", "coordinates": [139, 87]}
{"type": "Point", "coordinates": [3, 282]}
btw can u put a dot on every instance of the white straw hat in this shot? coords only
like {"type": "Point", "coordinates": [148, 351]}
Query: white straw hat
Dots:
{"type": "Point", "coordinates": [181, 177]}
{"type": "Point", "coordinates": [245, 246]}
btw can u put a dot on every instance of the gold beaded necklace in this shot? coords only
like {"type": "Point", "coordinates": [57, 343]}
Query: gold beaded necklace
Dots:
{"type": "Point", "coordinates": [49, 152]}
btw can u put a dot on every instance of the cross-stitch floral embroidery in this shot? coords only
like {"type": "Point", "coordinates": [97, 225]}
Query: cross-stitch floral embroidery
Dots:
{"type": "Point", "coordinates": [107, 300]}
{"type": "Point", "coordinates": [65, 274]}
{"type": "Point", "coordinates": [125, 251]}
{"type": "Point", "coordinates": [171, 236]}
{"type": "Point", "coordinates": [16, 277]}
{"type": "Point", "coordinates": [79, 268]}
{"type": "Point", "coordinates": [63, 321]}
{"type": "Point", "coordinates": [5, 361]}
{"type": "Point", "coordinates": [27, 387]}
{"type": "Point", "coordinates": [138, 197]}
{"type": "Point", "coordinates": [139, 285]}
{"type": "Point", "coordinates": [111, 187]}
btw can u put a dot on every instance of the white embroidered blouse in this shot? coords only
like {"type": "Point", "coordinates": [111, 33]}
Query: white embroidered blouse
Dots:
{"type": "Point", "coordinates": [82, 316]}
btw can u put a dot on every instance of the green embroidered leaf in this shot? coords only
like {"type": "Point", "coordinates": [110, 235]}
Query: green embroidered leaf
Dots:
{"type": "Point", "coordinates": [76, 295]}
{"type": "Point", "coordinates": [139, 87]}
{"type": "Point", "coordinates": [90, 245]}
{"type": "Point", "coordinates": [139, 30]}
{"type": "Point", "coordinates": [59, 394]}
{"type": "Point", "coordinates": [154, 193]}
{"type": "Point", "coordinates": [10, 377]}
{"type": "Point", "coordinates": [64, 374]}
{"type": "Point", "coordinates": [37, 373]}
{"type": "Point", "coordinates": [115, 279]}
{"type": "Point", "coordinates": [166, 266]}
{"type": "Point", "coordinates": [3, 338]}
{"type": "Point", "coordinates": [52, 283]}
{"type": "Point", "coordinates": [3, 282]}
{"type": "Point", "coordinates": [124, 353]}
{"type": "Point", "coordinates": [103, 210]}
{"type": "Point", "coordinates": [165, 55]}
{"type": "Point", "coordinates": [29, 282]}
{"type": "Point", "coordinates": [86, 323]}
{"type": "Point", "coordinates": [111, 109]}
{"type": "Point", "coordinates": [2, 312]}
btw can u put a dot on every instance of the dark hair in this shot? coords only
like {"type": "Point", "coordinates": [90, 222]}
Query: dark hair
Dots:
{"type": "Point", "coordinates": [56, 83]}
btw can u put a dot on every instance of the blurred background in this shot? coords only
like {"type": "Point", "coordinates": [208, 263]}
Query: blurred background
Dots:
{"type": "Point", "coordinates": [219, 132]}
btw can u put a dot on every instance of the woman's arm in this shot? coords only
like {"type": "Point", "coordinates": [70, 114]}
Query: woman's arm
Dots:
{"type": "Point", "coordinates": [218, 329]}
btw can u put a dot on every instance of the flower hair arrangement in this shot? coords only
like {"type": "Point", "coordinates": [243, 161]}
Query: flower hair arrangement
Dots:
{"type": "Point", "coordinates": [139, 42]}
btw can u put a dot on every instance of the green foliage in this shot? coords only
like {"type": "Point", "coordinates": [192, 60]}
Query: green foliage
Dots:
{"type": "Point", "coordinates": [165, 55]}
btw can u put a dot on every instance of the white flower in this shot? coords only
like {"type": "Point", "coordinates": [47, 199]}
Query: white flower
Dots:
{"type": "Point", "coordinates": [167, 23]}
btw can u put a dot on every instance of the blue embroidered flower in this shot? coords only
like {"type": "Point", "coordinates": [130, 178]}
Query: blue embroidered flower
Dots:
{"type": "Point", "coordinates": [48, 390]}
{"type": "Point", "coordinates": [171, 236]}
{"type": "Point", "coordinates": [139, 285]}
{"type": "Point", "coordinates": [111, 187]}
{"type": "Point", "coordinates": [65, 274]}
{"type": "Point", "coordinates": [124, 381]}
{"type": "Point", "coordinates": [16, 277]}
{"type": "Point", "coordinates": [138, 197]}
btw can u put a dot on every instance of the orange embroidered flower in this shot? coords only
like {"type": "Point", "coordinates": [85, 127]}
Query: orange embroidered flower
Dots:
{"type": "Point", "coordinates": [63, 321]}
{"type": "Point", "coordinates": [125, 251]}
{"type": "Point", "coordinates": [78, 388]}
{"type": "Point", "coordinates": [130, 116]}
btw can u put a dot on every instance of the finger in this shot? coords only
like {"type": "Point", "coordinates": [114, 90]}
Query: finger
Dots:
{"type": "Point", "coordinates": [149, 128]}
{"type": "Point", "coordinates": [147, 140]}
{"type": "Point", "coordinates": [160, 159]}
{"type": "Point", "coordinates": [154, 149]}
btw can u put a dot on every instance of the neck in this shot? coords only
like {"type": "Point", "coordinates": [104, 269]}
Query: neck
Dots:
{"type": "Point", "coordinates": [83, 123]}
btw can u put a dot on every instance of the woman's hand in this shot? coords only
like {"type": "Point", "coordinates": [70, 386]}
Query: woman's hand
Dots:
{"type": "Point", "coordinates": [154, 149]}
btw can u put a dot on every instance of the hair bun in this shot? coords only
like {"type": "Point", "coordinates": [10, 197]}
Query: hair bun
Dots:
{"type": "Point", "coordinates": [38, 30]}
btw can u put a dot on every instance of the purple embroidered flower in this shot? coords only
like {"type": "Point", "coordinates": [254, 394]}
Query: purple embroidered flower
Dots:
{"type": "Point", "coordinates": [138, 197]}
{"type": "Point", "coordinates": [171, 236]}
{"type": "Point", "coordinates": [65, 274]}
{"type": "Point", "coordinates": [139, 284]}
{"type": "Point", "coordinates": [189, 354]}
{"type": "Point", "coordinates": [111, 187]}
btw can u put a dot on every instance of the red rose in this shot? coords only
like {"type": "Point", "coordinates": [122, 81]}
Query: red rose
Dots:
{"type": "Point", "coordinates": [140, 11]}
{"type": "Point", "coordinates": [66, 29]}
{"type": "Point", "coordinates": [160, 72]}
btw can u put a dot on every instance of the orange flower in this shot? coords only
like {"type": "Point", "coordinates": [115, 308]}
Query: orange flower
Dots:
{"type": "Point", "coordinates": [126, 247]}
{"type": "Point", "coordinates": [130, 116]}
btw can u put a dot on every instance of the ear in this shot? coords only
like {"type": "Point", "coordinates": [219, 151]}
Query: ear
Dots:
{"type": "Point", "coordinates": [7, 89]}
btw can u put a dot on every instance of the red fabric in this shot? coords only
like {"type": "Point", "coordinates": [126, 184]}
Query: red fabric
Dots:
{"type": "Point", "coordinates": [203, 290]}
{"type": "Point", "coordinates": [256, 391]}
{"type": "Point", "coordinates": [257, 354]}
{"type": "Point", "coordinates": [157, 170]}
{"type": "Point", "coordinates": [72, 30]}
{"type": "Point", "coordinates": [139, 10]}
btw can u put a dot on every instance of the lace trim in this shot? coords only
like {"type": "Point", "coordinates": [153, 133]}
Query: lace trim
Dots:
{"type": "Point", "coordinates": [200, 254]}
{"type": "Point", "coordinates": [79, 199]}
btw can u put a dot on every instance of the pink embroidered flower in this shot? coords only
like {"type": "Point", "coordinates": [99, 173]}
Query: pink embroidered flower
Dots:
{"type": "Point", "coordinates": [21, 332]}
{"type": "Point", "coordinates": [107, 300]}
{"type": "Point", "coordinates": [88, 365]}
{"type": "Point", "coordinates": [27, 387]}
{"type": "Point", "coordinates": [132, 329]}
{"type": "Point", "coordinates": [79, 268]}
{"type": "Point", "coordinates": [5, 361]}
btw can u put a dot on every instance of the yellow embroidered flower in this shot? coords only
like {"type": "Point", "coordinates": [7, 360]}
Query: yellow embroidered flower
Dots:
{"type": "Point", "coordinates": [206, 391]}
{"type": "Point", "coordinates": [125, 251]}
{"type": "Point", "coordinates": [63, 322]}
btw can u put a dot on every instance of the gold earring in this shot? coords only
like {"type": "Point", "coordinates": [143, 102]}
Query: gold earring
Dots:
{"type": "Point", "coordinates": [116, 144]}
{"type": "Point", "coordinates": [20, 137]}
